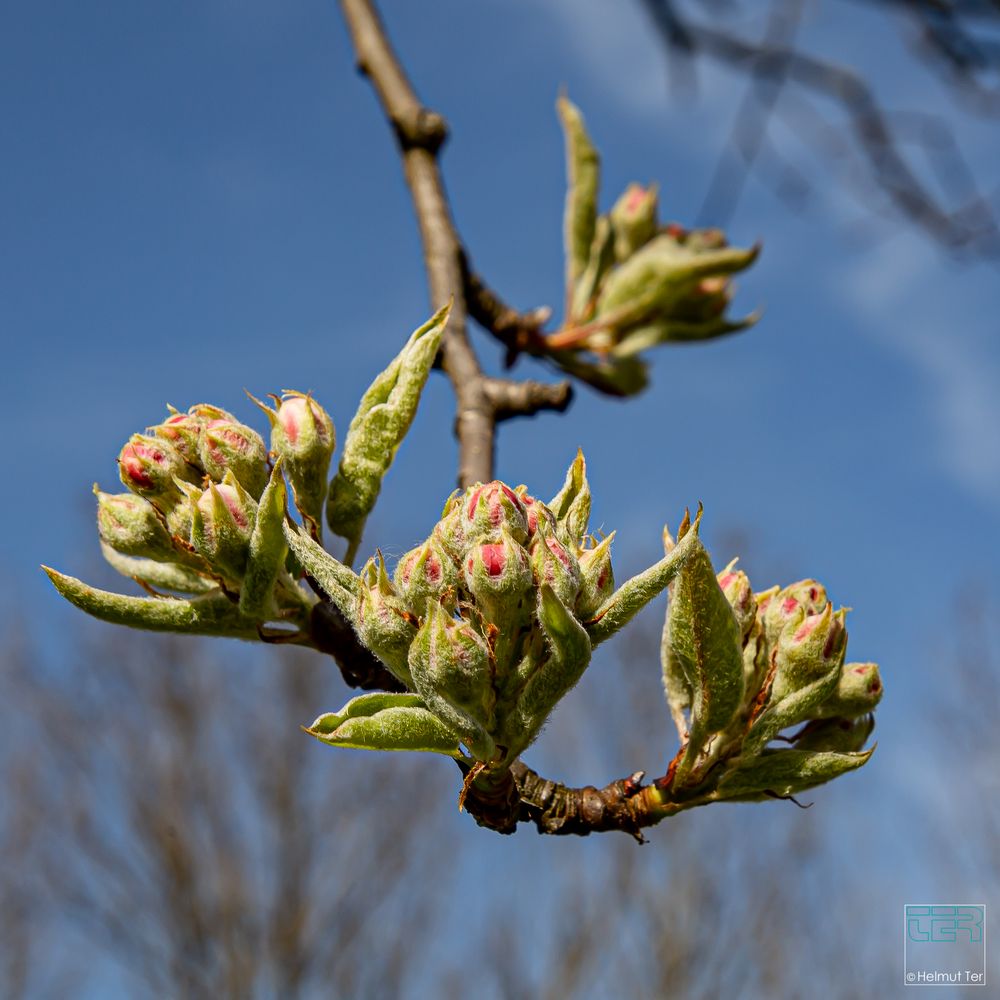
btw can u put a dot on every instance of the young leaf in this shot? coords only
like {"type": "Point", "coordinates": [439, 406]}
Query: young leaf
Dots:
{"type": "Point", "coordinates": [381, 721]}
{"type": "Point", "coordinates": [383, 417]}
{"type": "Point", "coordinates": [702, 643]}
{"type": "Point", "coordinates": [340, 583]}
{"type": "Point", "coordinates": [571, 505]}
{"type": "Point", "coordinates": [166, 576]}
{"type": "Point", "coordinates": [268, 549]}
{"type": "Point", "coordinates": [786, 772]}
{"type": "Point", "coordinates": [210, 614]}
{"type": "Point", "coordinates": [633, 595]}
{"type": "Point", "coordinates": [582, 178]}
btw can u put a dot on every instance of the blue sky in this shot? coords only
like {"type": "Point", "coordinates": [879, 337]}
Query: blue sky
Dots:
{"type": "Point", "coordinates": [199, 198]}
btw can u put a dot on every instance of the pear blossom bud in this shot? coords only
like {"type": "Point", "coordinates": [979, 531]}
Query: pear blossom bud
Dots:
{"type": "Point", "coordinates": [536, 513]}
{"type": "Point", "coordinates": [633, 219]}
{"type": "Point", "coordinates": [229, 446]}
{"type": "Point", "coordinates": [424, 573]}
{"type": "Point", "coordinates": [597, 578]}
{"type": "Point", "coordinates": [735, 584]}
{"type": "Point", "coordinates": [222, 525]}
{"type": "Point", "coordinates": [498, 574]}
{"type": "Point", "coordinates": [148, 466]}
{"type": "Point", "coordinates": [450, 666]}
{"type": "Point", "coordinates": [183, 431]}
{"type": "Point", "coordinates": [450, 529]}
{"type": "Point", "coordinates": [555, 565]}
{"type": "Point", "coordinates": [383, 622]}
{"type": "Point", "coordinates": [131, 526]}
{"type": "Point", "coordinates": [807, 597]}
{"type": "Point", "coordinates": [490, 508]}
{"type": "Point", "coordinates": [303, 436]}
{"type": "Point", "coordinates": [207, 411]}
{"type": "Point", "coordinates": [858, 691]}
{"type": "Point", "coordinates": [809, 647]}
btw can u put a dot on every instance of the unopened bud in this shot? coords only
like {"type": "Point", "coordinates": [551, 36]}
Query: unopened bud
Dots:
{"type": "Point", "coordinates": [148, 466]}
{"type": "Point", "coordinates": [384, 624]}
{"type": "Point", "coordinates": [302, 435]}
{"type": "Point", "coordinates": [838, 735]}
{"type": "Point", "coordinates": [497, 574]}
{"type": "Point", "coordinates": [130, 525]}
{"type": "Point", "coordinates": [807, 597]}
{"type": "Point", "coordinates": [555, 565]}
{"type": "Point", "coordinates": [229, 446]}
{"type": "Point", "coordinates": [808, 648]}
{"type": "Point", "coordinates": [858, 691]}
{"type": "Point", "coordinates": [491, 508]}
{"type": "Point", "coordinates": [536, 513]}
{"type": "Point", "coordinates": [597, 579]}
{"type": "Point", "coordinates": [183, 431]}
{"type": "Point", "coordinates": [222, 524]}
{"type": "Point", "coordinates": [450, 666]}
{"type": "Point", "coordinates": [735, 584]}
{"type": "Point", "coordinates": [633, 218]}
{"type": "Point", "coordinates": [426, 573]}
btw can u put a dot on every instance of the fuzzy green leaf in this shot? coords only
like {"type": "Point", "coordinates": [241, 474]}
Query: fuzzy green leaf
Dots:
{"type": "Point", "coordinates": [164, 575]}
{"type": "Point", "coordinates": [339, 582]}
{"type": "Point", "coordinates": [382, 721]}
{"type": "Point", "coordinates": [582, 178]}
{"type": "Point", "coordinates": [268, 549]}
{"type": "Point", "coordinates": [382, 419]}
{"type": "Point", "coordinates": [571, 505]}
{"type": "Point", "coordinates": [786, 772]}
{"type": "Point", "coordinates": [633, 595]}
{"type": "Point", "coordinates": [210, 614]}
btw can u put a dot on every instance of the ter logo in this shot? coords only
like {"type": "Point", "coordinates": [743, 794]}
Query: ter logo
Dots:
{"type": "Point", "coordinates": [944, 923]}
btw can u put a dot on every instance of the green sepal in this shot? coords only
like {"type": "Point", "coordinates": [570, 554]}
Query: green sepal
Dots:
{"type": "Point", "coordinates": [339, 582]}
{"type": "Point", "coordinates": [633, 595]}
{"type": "Point", "coordinates": [168, 576]}
{"type": "Point", "coordinates": [785, 772]}
{"type": "Point", "coordinates": [268, 549]}
{"type": "Point", "coordinates": [210, 614]}
{"type": "Point", "coordinates": [702, 643]}
{"type": "Point", "coordinates": [381, 721]}
{"type": "Point", "coordinates": [583, 167]}
{"type": "Point", "coordinates": [382, 419]}
{"type": "Point", "coordinates": [571, 505]}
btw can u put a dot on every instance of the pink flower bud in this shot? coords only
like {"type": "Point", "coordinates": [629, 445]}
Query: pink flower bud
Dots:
{"type": "Point", "coordinates": [148, 466]}
{"type": "Point", "coordinates": [537, 512]}
{"type": "Point", "coordinates": [424, 573]}
{"type": "Point", "coordinates": [130, 525]}
{"type": "Point", "coordinates": [555, 565]}
{"type": "Point", "coordinates": [222, 524]}
{"type": "Point", "coordinates": [735, 584]}
{"type": "Point", "coordinates": [498, 573]}
{"type": "Point", "coordinates": [227, 445]}
{"type": "Point", "coordinates": [597, 578]}
{"type": "Point", "coordinates": [807, 597]}
{"type": "Point", "coordinates": [183, 431]}
{"type": "Point", "coordinates": [489, 508]}
{"type": "Point", "coordinates": [808, 648]}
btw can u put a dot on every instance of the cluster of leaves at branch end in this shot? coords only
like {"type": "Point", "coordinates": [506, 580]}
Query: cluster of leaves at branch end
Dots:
{"type": "Point", "coordinates": [633, 283]}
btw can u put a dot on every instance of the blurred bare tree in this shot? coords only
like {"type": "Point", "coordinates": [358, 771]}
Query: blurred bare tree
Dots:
{"type": "Point", "coordinates": [905, 164]}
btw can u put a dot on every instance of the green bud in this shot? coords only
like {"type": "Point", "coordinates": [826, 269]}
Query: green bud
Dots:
{"type": "Point", "coordinates": [450, 666]}
{"type": "Point", "coordinates": [268, 550]}
{"type": "Point", "coordinates": [571, 505]}
{"type": "Point", "coordinates": [808, 648]}
{"type": "Point", "coordinates": [222, 525]}
{"type": "Point", "coordinates": [130, 525]}
{"type": "Point", "coordinates": [226, 445]}
{"type": "Point", "coordinates": [427, 572]}
{"type": "Point", "coordinates": [735, 584]}
{"type": "Point", "coordinates": [807, 597]}
{"type": "Point", "coordinates": [383, 622]}
{"type": "Point", "coordinates": [302, 435]}
{"type": "Point", "coordinates": [634, 219]}
{"type": "Point", "coordinates": [858, 691]}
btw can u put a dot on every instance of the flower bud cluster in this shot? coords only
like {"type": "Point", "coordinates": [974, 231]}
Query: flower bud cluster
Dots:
{"type": "Point", "coordinates": [485, 619]}
{"type": "Point", "coordinates": [633, 282]}
{"type": "Point", "coordinates": [196, 483]}
{"type": "Point", "coordinates": [794, 653]}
